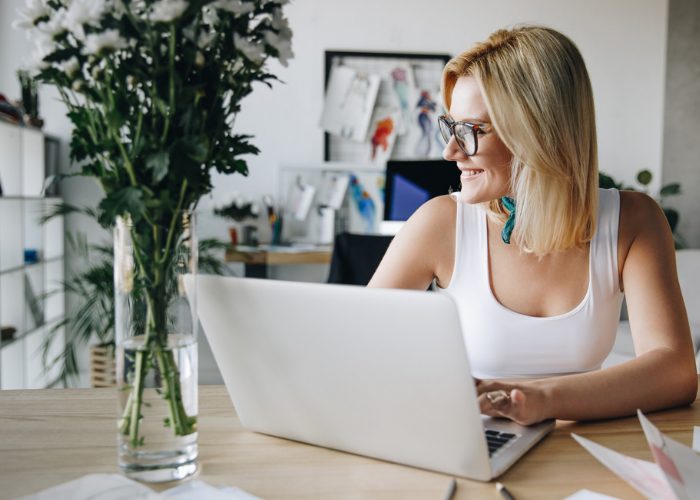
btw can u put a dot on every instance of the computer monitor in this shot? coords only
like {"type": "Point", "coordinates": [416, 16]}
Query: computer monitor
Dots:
{"type": "Point", "coordinates": [409, 184]}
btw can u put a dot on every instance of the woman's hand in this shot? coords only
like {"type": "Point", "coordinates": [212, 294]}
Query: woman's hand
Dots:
{"type": "Point", "coordinates": [524, 402]}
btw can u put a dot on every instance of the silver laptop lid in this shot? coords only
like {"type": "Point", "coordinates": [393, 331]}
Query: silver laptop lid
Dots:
{"type": "Point", "coordinates": [382, 373]}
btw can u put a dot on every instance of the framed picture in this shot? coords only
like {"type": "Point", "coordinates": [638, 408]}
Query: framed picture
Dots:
{"type": "Point", "coordinates": [402, 123]}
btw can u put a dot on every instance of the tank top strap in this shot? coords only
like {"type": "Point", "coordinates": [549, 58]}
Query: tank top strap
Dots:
{"type": "Point", "coordinates": [470, 245]}
{"type": "Point", "coordinates": [604, 243]}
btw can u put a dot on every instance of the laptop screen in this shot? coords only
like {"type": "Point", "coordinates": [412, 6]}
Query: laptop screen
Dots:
{"type": "Point", "coordinates": [409, 184]}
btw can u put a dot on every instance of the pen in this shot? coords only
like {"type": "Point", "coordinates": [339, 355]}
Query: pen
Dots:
{"type": "Point", "coordinates": [504, 492]}
{"type": "Point", "coordinates": [451, 490]}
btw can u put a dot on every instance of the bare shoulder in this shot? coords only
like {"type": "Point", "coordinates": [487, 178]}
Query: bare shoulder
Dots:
{"type": "Point", "coordinates": [439, 211]}
{"type": "Point", "coordinates": [642, 225]}
{"type": "Point", "coordinates": [640, 214]}
{"type": "Point", "coordinates": [421, 250]}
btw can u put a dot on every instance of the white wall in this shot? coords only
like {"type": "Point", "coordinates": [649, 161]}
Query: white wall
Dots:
{"type": "Point", "coordinates": [682, 114]}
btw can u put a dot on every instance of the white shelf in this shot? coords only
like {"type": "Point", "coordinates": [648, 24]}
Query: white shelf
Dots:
{"type": "Point", "coordinates": [11, 150]}
{"type": "Point", "coordinates": [21, 209]}
{"type": "Point", "coordinates": [32, 162]}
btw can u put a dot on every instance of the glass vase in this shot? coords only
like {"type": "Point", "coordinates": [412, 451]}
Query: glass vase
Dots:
{"type": "Point", "coordinates": [156, 346]}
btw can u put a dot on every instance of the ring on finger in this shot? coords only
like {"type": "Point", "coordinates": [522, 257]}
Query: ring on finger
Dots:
{"type": "Point", "coordinates": [495, 397]}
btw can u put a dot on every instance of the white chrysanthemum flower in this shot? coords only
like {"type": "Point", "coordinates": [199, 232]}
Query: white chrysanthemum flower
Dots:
{"type": "Point", "coordinates": [82, 12]}
{"type": "Point", "coordinates": [55, 25]}
{"type": "Point", "coordinates": [282, 45]}
{"type": "Point", "coordinates": [234, 6]}
{"type": "Point", "coordinates": [35, 9]}
{"type": "Point", "coordinates": [69, 67]}
{"type": "Point", "coordinates": [279, 22]}
{"type": "Point", "coordinates": [209, 16]}
{"type": "Point", "coordinates": [239, 202]}
{"type": "Point", "coordinates": [254, 209]}
{"type": "Point", "coordinates": [255, 52]}
{"type": "Point", "coordinates": [205, 40]}
{"type": "Point", "coordinates": [97, 42]}
{"type": "Point", "coordinates": [43, 47]}
{"type": "Point", "coordinates": [119, 9]}
{"type": "Point", "coordinates": [167, 11]}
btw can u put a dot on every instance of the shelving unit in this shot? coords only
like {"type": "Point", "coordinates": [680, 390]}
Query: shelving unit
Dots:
{"type": "Point", "coordinates": [23, 276]}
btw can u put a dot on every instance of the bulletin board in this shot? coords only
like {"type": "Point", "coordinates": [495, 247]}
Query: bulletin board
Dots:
{"type": "Point", "coordinates": [409, 82]}
{"type": "Point", "coordinates": [352, 216]}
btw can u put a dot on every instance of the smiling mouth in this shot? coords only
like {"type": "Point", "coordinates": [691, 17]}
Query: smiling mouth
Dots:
{"type": "Point", "coordinates": [471, 172]}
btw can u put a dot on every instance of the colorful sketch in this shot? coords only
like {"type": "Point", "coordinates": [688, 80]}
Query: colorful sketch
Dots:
{"type": "Point", "coordinates": [404, 88]}
{"type": "Point", "coordinates": [380, 138]}
{"type": "Point", "coordinates": [363, 202]}
{"type": "Point", "coordinates": [382, 135]}
{"type": "Point", "coordinates": [426, 118]}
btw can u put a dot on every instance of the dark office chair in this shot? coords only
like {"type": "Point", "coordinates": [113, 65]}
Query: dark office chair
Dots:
{"type": "Point", "coordinates": [356, 257]}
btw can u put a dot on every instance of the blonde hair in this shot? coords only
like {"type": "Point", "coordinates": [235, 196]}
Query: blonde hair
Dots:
{"type": "Point", "coordinates": [538, 95]}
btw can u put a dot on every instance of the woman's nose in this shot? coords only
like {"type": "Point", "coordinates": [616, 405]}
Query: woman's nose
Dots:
{"type": "Point", "coordinates": [452, 151]}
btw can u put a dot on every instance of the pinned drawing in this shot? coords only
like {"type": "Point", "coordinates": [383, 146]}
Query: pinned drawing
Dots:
{"type": "Point", "coordinates": [426, 117]}
{"type": "Point", "coordinates": [383, 132]}
{"type": "Point", "coordinates": [409, 85]}
{"type": "Point", "coordinates": [349, 103]}
{"type": "Point", "coordinates": [404, 89]}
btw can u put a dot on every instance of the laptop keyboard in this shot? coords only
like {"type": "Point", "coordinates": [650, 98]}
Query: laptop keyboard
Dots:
{"type": "Point", "coordinates": [497, 440]}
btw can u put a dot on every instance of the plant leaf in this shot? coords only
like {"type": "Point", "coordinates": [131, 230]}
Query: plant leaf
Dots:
{"type": "Point", "coordinates": [158, 164]}
{"type": "Point", "coordinates": [127, 200]}
{"type": "Point", "coordinates": [644, 177]}
{"type": "Point", "coordinates": [671, 189]}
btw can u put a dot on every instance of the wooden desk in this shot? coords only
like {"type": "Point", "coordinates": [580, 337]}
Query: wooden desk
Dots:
{"type": "Point", "coordinates": [257, 261]}
{"type": "Point", "coordinates": [48, 437]}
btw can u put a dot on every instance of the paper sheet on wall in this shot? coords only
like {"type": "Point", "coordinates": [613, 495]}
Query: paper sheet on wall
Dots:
{"type": "Point", "coordinates": [674, 475]}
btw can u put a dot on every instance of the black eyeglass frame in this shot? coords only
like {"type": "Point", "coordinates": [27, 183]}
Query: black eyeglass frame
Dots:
{"type": "Point", "coordinates": [476, 129]}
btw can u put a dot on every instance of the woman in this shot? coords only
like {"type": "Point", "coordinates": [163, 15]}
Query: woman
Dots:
{"type": "Point", "coordinates": [535, 255]}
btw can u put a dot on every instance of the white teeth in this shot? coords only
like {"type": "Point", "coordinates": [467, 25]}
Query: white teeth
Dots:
{"type": "Point", "coordinates": [469, 173]}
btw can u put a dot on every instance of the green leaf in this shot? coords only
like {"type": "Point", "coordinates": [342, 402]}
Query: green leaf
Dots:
{"type": "Point", "coordinates": [158, 164]}
{"type": "Point", "coordinates": [672, 216]}
{"type": "Point", "coordinates": [671, 189]}
{"type": "Point", "coordinates": [644, 177]}
{"type": "Point", "coordinates": [127, 200]}
{"type": "Point", "coordinates": [607, 182]}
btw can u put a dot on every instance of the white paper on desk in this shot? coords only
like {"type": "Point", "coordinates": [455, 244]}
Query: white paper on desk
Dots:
{"type": "Point", "coordinates": [200, 490]}
{"type": "Point", "coordinates": [116, 487]}
{"type": "Point", "coordinates": [589, 495]}
{"type": "Point", "coordinates": [97, 487]}
{"type": "Point", "coordinates": [679, 463]}
{"type": "Point", "coordinates": [645, 477]}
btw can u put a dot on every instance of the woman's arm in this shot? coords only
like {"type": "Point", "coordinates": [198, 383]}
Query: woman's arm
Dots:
{"type": "Point", "coordinates": [662, 375]}
{"type": "Point", "coordinates": [422, 250]}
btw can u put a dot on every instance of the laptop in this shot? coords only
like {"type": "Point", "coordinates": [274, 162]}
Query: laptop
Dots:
{"type": "Point", "coordinates": [375, 372]}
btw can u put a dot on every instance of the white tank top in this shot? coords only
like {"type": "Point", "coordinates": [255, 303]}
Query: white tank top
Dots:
{"type": "Point", "coordinates": [502, 343]}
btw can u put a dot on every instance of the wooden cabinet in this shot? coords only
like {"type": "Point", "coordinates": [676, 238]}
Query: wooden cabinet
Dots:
{"type": "Point", "coordinates": [31, 260]}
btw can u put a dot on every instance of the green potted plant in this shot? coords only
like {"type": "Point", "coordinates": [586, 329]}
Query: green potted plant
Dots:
{"type": "Point", "coordinates": [239, 210]}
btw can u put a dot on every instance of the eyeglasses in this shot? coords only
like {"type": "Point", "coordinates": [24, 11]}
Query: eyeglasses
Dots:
{"type": "Point", "coordinates": [465, 133]}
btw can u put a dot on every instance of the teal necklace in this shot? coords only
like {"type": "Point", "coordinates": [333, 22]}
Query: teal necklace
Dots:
{"type": "Point", "coordinates": [509, 204]}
